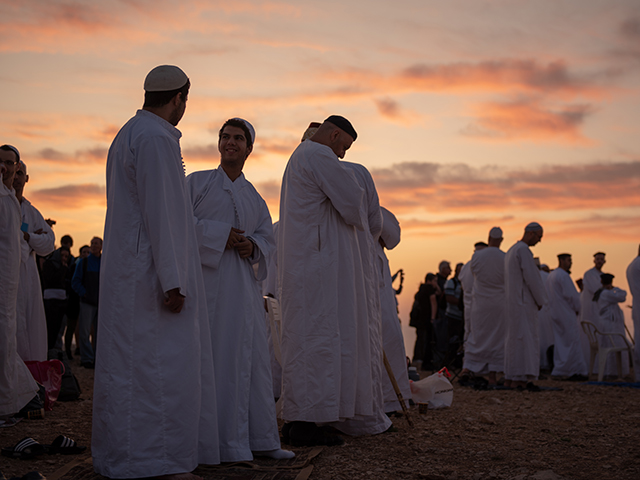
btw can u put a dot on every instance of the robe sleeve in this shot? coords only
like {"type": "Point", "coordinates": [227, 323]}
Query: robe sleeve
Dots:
{"type": "Point", "coordinates": [264, 242]}
{"type": "Point", "coordinates": [212, 240]}
{"type": "Point", "coordinates": [161, 192]}
{"type": "Point", "coordinates": [531, 276]}
{"type": "Point", "coordinates": [340, 185]}
{"type": "Point", "coordinates": [570, 293]}
{"type": "Point", "coordinates": [41, 243]}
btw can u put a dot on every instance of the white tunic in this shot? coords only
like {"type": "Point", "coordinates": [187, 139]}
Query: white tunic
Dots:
{"type": "Point", "coordinates": [564, 307]}
{"type": "Point", "coordinates": [633, 278]}
{"type": "Point", "coordinates": [590, 283]}
{"type": "Point", "coordinates": [154, 410]}
{"type": "Point", "coordinates": [32, 323]}
{"type": "Point", "coordinates": [524, 293]}
{"type": "Point", "coordinates": [545, 328]}
{"type": "Point", "coordinates": [270, 287]}
{"type": "Point", "coordinates": [611, 320]}
{"type": "Point", "coordinates": [17, 386]}
{"type": "Point", "coordinates": [484, 350]}
{"type": "Point", "coordinates": [392, 339]}
{"type": "Point", "coordinates": [246, 408]}
{"type": "Point", "coordinates": [325, 346]}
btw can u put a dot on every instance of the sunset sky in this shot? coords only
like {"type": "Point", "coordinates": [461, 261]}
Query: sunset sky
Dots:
{"type": "Point", "coordinates": [469, 113]}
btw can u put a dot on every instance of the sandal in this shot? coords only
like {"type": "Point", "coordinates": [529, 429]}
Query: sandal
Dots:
{"type": "Point", "coordinates": [25, 449]}
{"type": "Point", "coordinates": [65, 446]}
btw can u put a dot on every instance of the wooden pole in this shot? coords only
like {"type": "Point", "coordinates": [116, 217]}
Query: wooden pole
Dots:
{"type": "Point", "coordinates": [392, 377]}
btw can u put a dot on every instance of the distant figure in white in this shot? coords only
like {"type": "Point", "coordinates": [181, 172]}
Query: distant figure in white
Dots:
{"type": "Point", "coordinates": [466, 280]}
{"type": "Point", "coordinates": [590, 284]}
{"type": "Point", "coordinates": [525, 295]}
{"type": "Point", "coordinates": [484, 350]}
{"type": "Point", "coordinates": [633, 279]}
{"type": "Point", "coordinates": [235, 237]}
{"type": "Point", "coordinates": [564, 307]}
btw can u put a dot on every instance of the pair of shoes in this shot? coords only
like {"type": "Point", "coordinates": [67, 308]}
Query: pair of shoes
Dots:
{"type": "Point", "coordinates": [308, 434]}
{"type": "Point", "coordinates": [28, 476]}
{"type": "Point", "coordinates": [28, 448]}
{"type": "Point", "coordinates": [530, 387]}
{"type": "Point", "coordinates": [64, 446]}
{"type": "Point", "coordinates": [89, 365]}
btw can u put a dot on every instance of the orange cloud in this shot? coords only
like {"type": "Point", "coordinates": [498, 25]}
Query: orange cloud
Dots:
{"type": "Point", "coordinates": [391, 110]}
{"type": "Point", "coordinates": [69, 197]}
{"type": "Point", "coordinates": [529, 119]}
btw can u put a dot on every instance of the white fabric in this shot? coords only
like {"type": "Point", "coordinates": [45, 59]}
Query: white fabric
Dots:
{"type": "Point", "coordinates": [246, 408]}
{"type": "Point", "coordinates": [524, 292]}
{"type": "Point", "coordinates": [32, 323]}
{"type": "Point", "coordinates": [325, 346]}
{"type": "Point", "coordinates": [564, 307]}
{"type": "Point", "coordinates": [367, 246]}
{"type": "Point", "coordinates": [590, 283]}
{"type": "Point", "coordinates": [484, 350]}
{"type": "Point", "coordinates": [154, 406]}
{"type": "Point", "coordinates": [633, 278]}
{"type": "Point", "coordinates": [17, 386]}
{"type": "Point", "coordinates": [270, 287]}
{"type": "Point", "coordinates": [466, 280]}
{"type": "Point", "coordinates": [611, 320]}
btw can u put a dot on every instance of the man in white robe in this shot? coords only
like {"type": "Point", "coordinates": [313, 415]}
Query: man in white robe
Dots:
{"type": "Point", "coordinates": [326, 373]}
{"type": "Point", "coordinates": [525, 295]}
{"type": "Point", "coordinates": [17, 386]}
{"type": "Point", "coordinates": [484, 350]}
{"type": "Point", "coordinates": [590, 284]}
{"type": "Point", "coordinates": [564, 307]}
{"type": "Point", "coordinates": [368, 240]}
{"type": "Point", "coordinates": [466, 280]}
{"type": "Point", "coordinates": [235, 237]}
{"type": "Point", "coordinates": [37, 238]}
{"type": "Point", "coordinates": [154, 406]}
{"type": "Point", "coordinates": [392, 339]}
{"type": "Point", "coordinates": [611, 320]}
{"type": "Point", "coordinates": [633, 279]}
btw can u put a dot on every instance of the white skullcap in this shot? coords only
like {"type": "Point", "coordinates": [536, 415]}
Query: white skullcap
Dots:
{"type": "Point", "coordinates": [390, 229]}
{"type": "Point", "coordinates": [495, 232]}
{"type": "Point", "coordinates": [249, 126]}
{"type": "Point", "coordinates": [532, 227]}
{"type": "Point", "coordinates": [165, 78]}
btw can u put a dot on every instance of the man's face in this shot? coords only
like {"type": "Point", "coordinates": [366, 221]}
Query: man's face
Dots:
{"type": "Point", "coordinates": [64, 257]}
{"type": "Point", "coordinates": [565, 263]}
{"type": "Point", "coordinates": [84, 253]}
{"type": "Point", "coordinates": [232, 146]}
{"type": "Point", "coordinates": [179, 108]}
{"type": "Point", "coordinates": [8, 159]}
{"type": "Point", "coordinates": [536, 237]}
{"type": "Point", "coordinates": [599, 261]}
{"type": "Point", "coordinates": [96, 247]}
{"type": "Point", "coordinates": [458, 268]}
{"type": "Point", "coordinates": [445, 270]}
{"type": "Point", "coordinates": [20, 178]}
{"type": "Point", "coordinates": [340, 143]}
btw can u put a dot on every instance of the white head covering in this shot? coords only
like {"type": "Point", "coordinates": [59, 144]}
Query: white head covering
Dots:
{"type": "Point", "coordinates": [390, 229]}
{"type": "Point", "coordinates": [532, 227]}
{"type": "Point", "coordinates": [495, 232]}
{"type": "Point", "coordinates": [165, 78]}
{"type": "Point", "coordinates": [250, 127]}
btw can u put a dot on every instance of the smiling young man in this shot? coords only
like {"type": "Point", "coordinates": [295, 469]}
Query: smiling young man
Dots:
{"type": "Point", "coordinates": [235, 238]}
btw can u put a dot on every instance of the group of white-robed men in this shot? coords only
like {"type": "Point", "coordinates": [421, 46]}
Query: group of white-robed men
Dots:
{"type": "Point", "coordinates": [510, 302]}
{"type": "Point", "coordinates": [183, 370]}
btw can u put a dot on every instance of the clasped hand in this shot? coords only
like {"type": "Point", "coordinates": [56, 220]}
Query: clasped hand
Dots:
{"type": "Point", "coordinates": [242, 244]}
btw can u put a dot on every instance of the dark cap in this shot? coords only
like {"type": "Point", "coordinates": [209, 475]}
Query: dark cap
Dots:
{"type": "Point", "coordinates": [606, 278]}
{"type": "Point", "coordinates": [563, 255]}
{"type": "Point", "coordinates": [344, 124]}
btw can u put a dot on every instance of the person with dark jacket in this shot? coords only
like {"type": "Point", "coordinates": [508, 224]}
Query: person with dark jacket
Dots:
{"type": "Point", "coordinates": [54, 294]}
{"type": "Point", "coordinates": [423, 314]}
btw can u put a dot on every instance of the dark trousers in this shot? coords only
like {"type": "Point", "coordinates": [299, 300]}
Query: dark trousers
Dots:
{"type": "Point", "coordinates": [54, 310]}
{"type": "Point", "coordinates": [423, 349]}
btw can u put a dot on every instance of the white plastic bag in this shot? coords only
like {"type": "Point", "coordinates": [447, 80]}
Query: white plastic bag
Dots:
{"type": "Point", "coordinates": [436, 390]}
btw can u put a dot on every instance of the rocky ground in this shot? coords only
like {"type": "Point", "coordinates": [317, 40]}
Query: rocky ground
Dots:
{"type": "Point", "coordinates": [582, 432]}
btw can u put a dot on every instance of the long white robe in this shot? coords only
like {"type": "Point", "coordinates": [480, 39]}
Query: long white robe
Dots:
{"type": "Point", "coordinates": [326, 373]}
{"type": "Point", "coordinates": [524, 293]}
{"type": "Point", "coordinates": [17, 386]}
{"type": "Point", "coordinates": [392, 339]}
{"type": "Point", "coordinates": [484, 350]}
{"type": "Point", "coordinates": [466, 280]}
{"type": "Point", "coordinates": [270, 287]}
{"type": "Point", "coordinates": [590, 283]}
{"type": "Point", "coordinates": [545, 328]}
{"type": "Point", "coordinates": [611, 320]}
{"type": "Point", "coordinates": [32, 323]}
{"type": "Point", "coordinates": [246, 408]}
{"type": "Point", "coordinates": [633, 279]}
{"type": "Point", "coordinates": [564, 307]}
{"type": "Point", "coordinates": [154, 407]}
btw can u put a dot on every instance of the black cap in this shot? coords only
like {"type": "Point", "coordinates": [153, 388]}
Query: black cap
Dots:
{"type": "Point", "coordinates": [606, 278]}
{"type": "Point", "coordinates": [344, 124]}
{"type": "Point", "coordinates": [563, 255]}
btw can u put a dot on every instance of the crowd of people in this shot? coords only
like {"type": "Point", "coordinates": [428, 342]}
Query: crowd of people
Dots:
{"type": "Point", "coordinates": [171, 313]}
{"type": "Point", "coordinates": [508, 313]}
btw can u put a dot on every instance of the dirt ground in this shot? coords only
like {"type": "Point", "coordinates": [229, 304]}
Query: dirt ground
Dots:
{"type": "Point", "coordinates": [582, 432]}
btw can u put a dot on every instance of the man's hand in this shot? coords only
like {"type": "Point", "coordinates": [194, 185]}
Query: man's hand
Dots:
{"type": "Point", "coordinates": [244, 247]}
{"type": "Point", "coordinates": [26, 236]}
{"type": "Point", "coordinates": [174, 300]}
{"type": "Point", "coordinates": [235, 237]}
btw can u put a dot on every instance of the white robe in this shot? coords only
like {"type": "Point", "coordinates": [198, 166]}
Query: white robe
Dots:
{"type": "Point", "coordinates": [32, 323]}
{"type": "Point", "coordinates": [484, 350]}
{"type": "Point", "coordinates": [246, 408]}
{"type": "Point", "coordinates": [154, 407]}
{"type": "Point", "coordinates": [326, 373]}
{"type": "Point", "coordinates": [590, 283]}
{"type": "Point", "coordinates": [466, 280]}
{"type": "Point", "coordinates": [270, 287]}
{"type": "Point", "coordinates": [633, 279]}
{"type": "Point", "coordinates": [611, 320]}
{"type": "Point", "coordinates": [524, 292]}
{"type": "Point", "coordinates": [564, 307]}
{"type": "Point", "coordinates": [392, 339]}
{"type": "Point", "coordinates": [545, 328]}
{"type": "Point", "coordinates": [17, 386]}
